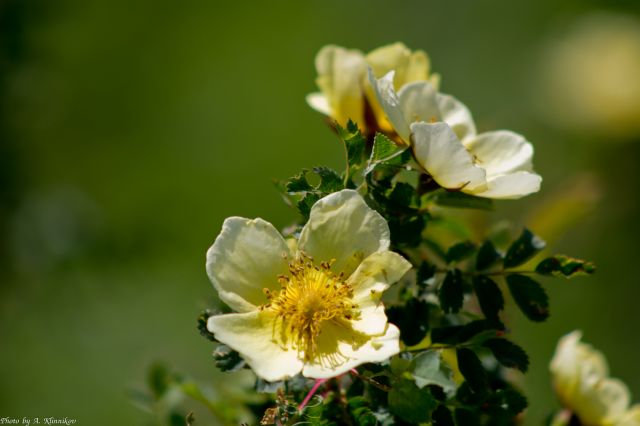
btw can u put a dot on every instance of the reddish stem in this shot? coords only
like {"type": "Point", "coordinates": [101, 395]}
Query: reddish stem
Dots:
{"type": "Point", "coordinates": [313, 390]}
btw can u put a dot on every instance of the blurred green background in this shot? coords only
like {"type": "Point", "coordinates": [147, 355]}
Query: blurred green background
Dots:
{"type": "Point", "coordinates": [130, 130]}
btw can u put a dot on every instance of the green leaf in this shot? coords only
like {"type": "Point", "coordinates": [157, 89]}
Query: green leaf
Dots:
{"type": "Point", "coordinates": [361, 412]}
{"type": "Point", "coordinates": [412, 319]}
{"type": "Point", "coordinates": [384, 151]}
{"type": "Point", "coordinates": [523, 249]}
{"type": "Point", "coordinates": [461, 200]}
{"type": "Point", "coordinates": [489, 296]}
{"type": "Point", "coordinates": [529, 296]}
{"type": "Point", "coordinates": [465, 417]}
{"type": "Point", "coordinates": [298, 183]}
{"type": "Point", "coordinates": [451, 292]}
{"type": "Point", "coordinates": [384, 148]}
{"type": "Point", "coordinates": [504, 404]}
{"type": "Point", "coordinates": [442, 417]}
{"type": "Point", "coordinates": [565, 266]}
{"type": "Point", "coordinates": [317, 409]}
{"type": "Point", "coordinates": [399, 365]}
{"type": "Point", "coordinates": [424, 273]}
{"type": "Point", "coordinates": [460, 251]}
{"type": "Point", "coordinates": [305, 204]}
{"type": "Point", "coordinates": [409, 402]}
{"type": "Point", "coordinates": [512, 400]}
{"type": "Point", "coordinates": [508, 354]}
{"type": "Point", "coordinates": [406, 230]}
{"type": "Point", "coordinates": [428, 369]}
{"type": "Point", "coordinates": [467, 397]}
{"type": "Point", "coordinates": [226, 359]}
{"type": "Point", "coordinates": [402, 196]}
{"type": "Point", "coordinates": [472, 370]}
{"type": "Point", "coordinates": [487, 256]}
{"type": "Point", "coordinates": [330, 181]}
{"type": "Point", "coordinates": [299, 188]}
{"type": "Point", "coordinates": [355, 144]}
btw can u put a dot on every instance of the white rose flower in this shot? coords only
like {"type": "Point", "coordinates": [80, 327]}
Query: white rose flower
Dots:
{"type": "Point", "coordinates": [313, 309]}
{"type": "Point", "coordinates": [339, 78]}
{"type": "Point", "coordinates": [345, 92]}
{"type": "Point", "coordinates": [443, 135]}
{"type": "Point", "coordinates": [581, 380]}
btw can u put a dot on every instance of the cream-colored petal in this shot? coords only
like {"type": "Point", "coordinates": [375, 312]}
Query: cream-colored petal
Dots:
{"type": "Point", "coordinates": [631, 418]}
{"type": "Point", "coordinates": [319, 102]}
{"type": "Point", "coordinates": [501, 152]}
{"type": "Point", "coordinates": [390, 103]}
{"type": "Point", "coordinates": [342, 227]}
{"type": "Point", "coordinates": [441, 153]}
{"type": "Point", "coordinates": [571, 363]}
{"type": "Point", "coordinates": [418, 102]}
{"type": "Point", "coordinates": [246, 257]}
{"type": "Point", "coordinates": [456, 115]}
{"type": "Point", "coordinates": [372, 320]}
{"type": "Point", "coordinates": [374, 275]}
{"type": "Point", "coordinates": [376, 349]}
{"type": "Point", "coordinates": [388, 58]}
{"type": "Point", "coordinates": [564, 366]}
{"type": "Point", "coordinates": [417, 69]}
{"type": "Point", "coordinates": [510, 186]}
{"type": "Point", "coordinates": [601, 401]}
{"type": "Point", "coordinates": [251, 335]}
{"type": "Point", "coordinates": [340, 75]}
{"type": "Point", "coordinates": [408, 66]}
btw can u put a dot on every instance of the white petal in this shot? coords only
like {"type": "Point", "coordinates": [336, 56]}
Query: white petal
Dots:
{"type": "Point", "coordinates": [457, 116]}
{"type": "Point", "coordinates": [564, 365]}
{"type": "Point", "coordinates": [417, 68]}
{"type": "Point", "coordinates": [377, 349]}
{"type": "Point", "coordinates": [388, 58]}
{"type": "Point", "coordinates": [441, 153]}
{"type": "Point", "coordinates": [501, 152]}
{"type": "Point", "coordinates": [374, 275]}
{"type": "Point", "coordinates": [632, 417]}
{"type": "Point", "coordinates": [319, 102]}
{"type": "Point", "coordinates": [342, 227]}
{"type": "Point", "coordinates": [511, 186]}
{"type": "Point", "coordinates": [245, 258]}
{"type": "Point", "coordinates": [418, 102]}
{"type": "Point", "coordinates": [390, 103]}
{"type": "Point", "coordinates": [408, 66]}
{"type": "Point", "coordinates": [602, 402]}
{"type": "Point", "coordinates": [571, 363]}
{"type": "Point", "coordinates": [251, 335]}
{"type": "Point", "coordinates": [340, 75]}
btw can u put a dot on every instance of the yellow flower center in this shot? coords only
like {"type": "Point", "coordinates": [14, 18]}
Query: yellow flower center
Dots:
{"type": "Point", "coordinates": [309, 297]}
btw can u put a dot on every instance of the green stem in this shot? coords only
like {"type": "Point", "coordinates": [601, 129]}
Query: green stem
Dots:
{"type": "Point", "coordinates": [370, 381]}
{"type": "Point", "coordinates": [495, 273]}
{"type": "Point", "coordinates": [436, 346]}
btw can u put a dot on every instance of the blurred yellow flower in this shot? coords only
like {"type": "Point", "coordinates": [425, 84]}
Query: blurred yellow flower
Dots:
{"type": "Point", "coordinates": [345, 92]}
{"type": "Point", "coordinates": [443, 136]}
{"type": "Point", "coordinates": [315, 309]}
{"type": "Point", "coordinates": [589, 78]}
{"type": "Point", "coordinates": [581, 380]}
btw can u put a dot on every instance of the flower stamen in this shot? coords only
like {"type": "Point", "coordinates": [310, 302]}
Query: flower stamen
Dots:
{"type": "Point", "coordinates": [310, 296]}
